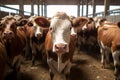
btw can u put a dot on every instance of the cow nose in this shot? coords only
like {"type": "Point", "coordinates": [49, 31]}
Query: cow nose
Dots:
{"type": "Point", "coordinates": [60, 47]}
{"type": "Point", "coordinates": [8, 33]}
{"type": "Point", "coordinates": [39, 35]}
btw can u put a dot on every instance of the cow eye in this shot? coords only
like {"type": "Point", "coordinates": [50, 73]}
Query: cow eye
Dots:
{"type": "Point", "coordinates": [30, 24]}
{"type": "Point", "coordinates": [2, 26]}
{"type": "Point", "coordinates": [51, 28]}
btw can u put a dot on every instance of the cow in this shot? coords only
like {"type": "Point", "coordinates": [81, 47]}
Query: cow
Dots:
{"type": "Point", "coordinates": [109, 42]}
{"type": "Point", "coordinates": [14, 41]}
{"type": "Point", "coordinates": [90, 35]}
{"type": "Point", "coordinates": [36, 30]}
{"type": "Point", "coordinates": [59, 44]}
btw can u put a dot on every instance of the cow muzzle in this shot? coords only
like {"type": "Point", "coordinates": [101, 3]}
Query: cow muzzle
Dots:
{"type": "Point", "coordinates": [60, 48]}
{"type": "Point", "coordinates": [38, 36]}
{"type": "Point", "coordinates": [8, 35]}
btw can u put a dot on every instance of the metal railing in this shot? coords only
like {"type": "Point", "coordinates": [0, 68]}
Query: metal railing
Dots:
{"type": "Point", "coordinates": [110, 12]}
{"type": "Point", "coordinates": [13, 10]}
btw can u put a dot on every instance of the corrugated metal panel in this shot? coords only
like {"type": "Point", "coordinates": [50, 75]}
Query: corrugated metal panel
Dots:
{"type": "Point", "coordinates": [113, 18]}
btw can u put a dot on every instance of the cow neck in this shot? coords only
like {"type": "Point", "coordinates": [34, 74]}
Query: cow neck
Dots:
{"type": "Point", "coordinates": [9, 44]}
{"type": "Point", "coordinates": [54, 56]}
{"type": "Point", "coordinates": [38, 41]}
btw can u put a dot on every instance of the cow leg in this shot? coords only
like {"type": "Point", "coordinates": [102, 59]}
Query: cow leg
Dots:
{"type": "Point", "coordinates": [52, 69]}
{"type": "Point", "coordinates": [67, 70]}
{"type": "Point", "coordinates": [51, 74]}
{"type": "Point", "coordinates": [27, 50]}
{"type": "Point", "coordinates": [17, 62]}
{"type": "Point", "coordinates": [33, 55]}
{"type": "Point", "coordinates": [116, 60]}
{"type": "Point", "coordinates": [102, 57]}
{"type": "Point", "coordinates": [107, 59]}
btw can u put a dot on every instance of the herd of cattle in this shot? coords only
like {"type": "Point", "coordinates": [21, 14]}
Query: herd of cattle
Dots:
{"type": "Point", "coordinates": [55, 39]}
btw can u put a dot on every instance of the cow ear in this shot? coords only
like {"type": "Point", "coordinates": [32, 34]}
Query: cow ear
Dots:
{"type": "Point", "coordinates": [2, 25]}
{"type": "Point", "coordinates": [102, 21]}
{"type": "Point", "coordinates": [41, 21]}
{"type": "Point", "coordinates": [30, 24]}
{"type": "Point", "coordinates": [22, 22]}
{"type": "Point", "coordinates": [79, 21]}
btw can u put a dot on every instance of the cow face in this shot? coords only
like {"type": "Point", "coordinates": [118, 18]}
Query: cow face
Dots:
{"type": "Point", "coordinates": [60, 28]}
{"type": "Point", "coordinates": [90, 25]}
{"type": "Point", "coordinates": [40, 24]}
{"type": "Point", "coordinates": [8, 29]}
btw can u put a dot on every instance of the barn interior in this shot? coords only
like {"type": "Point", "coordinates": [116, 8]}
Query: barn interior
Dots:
{"type": "Point", "coordinates": [42, 7]}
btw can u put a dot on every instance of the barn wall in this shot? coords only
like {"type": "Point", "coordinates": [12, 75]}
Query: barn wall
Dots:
{"type": "Point", "coordinates": [113, 18]}
{"type": "Point", "coordinates": [3, 14]}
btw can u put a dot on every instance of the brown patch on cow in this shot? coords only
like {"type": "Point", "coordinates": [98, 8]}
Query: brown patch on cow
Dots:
{"type": "Point", "coordinates": [102, 21]}
{"type": "Point", "coordinates": [41, 21]}
{"type": "Point", "coordinates": [79, 21]}
{"type": "Point", "coordinates": [109, 36]}
{"type": "Point", "coordinates": [118, 24]}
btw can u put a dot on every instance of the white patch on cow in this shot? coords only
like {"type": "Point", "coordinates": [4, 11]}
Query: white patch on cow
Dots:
{"type": "Point", "coordinates": [31, 18]}
{"type": "Point", "coordinates": [97, 22]}
{"type": "Point", "coordinates": [37, 29]}
{"type": "Point", "coordinates": [60, 32]}
{"type": "Point", "coordinates": [73, 31]}
{"type": "Point", "coordinates": [116, 55]}
{"type": "Point", "coordinates": [58, 66]}
{"type": "Point", "coordinates": [105, 52]}
{"type": "Point", "coordinates": [84, 27]}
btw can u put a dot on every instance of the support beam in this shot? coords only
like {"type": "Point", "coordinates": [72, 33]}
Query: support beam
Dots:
{"type": "Point", "coordinates": [78, 8]}
{"type": "Point", "coordinates": [82, 8]}
{"type": "Point", "coordinates": [38, 9]}
{"type": "Point", "coordinates": [45, 9]}
{"type": "Point", "coordinates": [106, 4]}
{"type": "Point", "coordinates": [94, 7]}
{"type": "Point", "coordinates": [32, 8]}
{"type": "Point", "coordinates": [21, 12]}
{"type": "Point", "coordinates": [41, 8]}
{"type": "Point", "coordinates": [86, 8]}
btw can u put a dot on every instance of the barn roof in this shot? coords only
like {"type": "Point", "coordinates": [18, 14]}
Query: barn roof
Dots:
{"type": "Point", "coordinates": [58, 2]}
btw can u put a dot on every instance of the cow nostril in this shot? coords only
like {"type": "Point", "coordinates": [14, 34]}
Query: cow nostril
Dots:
{"type": "Point", "coordinates": [65, 46]}
{"type": "Point", "coordinates": [39, 35]}
{"type": "Point", "coordinates": [10, 33]}
{"type": "Point", "coordinates": [7, 33]}
{"type": "Point", "coordinates": [60, 46]}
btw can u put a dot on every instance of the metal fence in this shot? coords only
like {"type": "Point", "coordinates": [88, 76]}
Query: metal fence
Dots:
{"type": "Point", "coordinates": [4, 8]}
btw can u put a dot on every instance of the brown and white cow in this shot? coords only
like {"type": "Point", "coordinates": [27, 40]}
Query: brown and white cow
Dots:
{"type": "Point", "coordinates": [36, 31]}
{"type": "Point", "coordinates": [90, 35]}
{"type": "Point", "coordinates": [109, 41]}
{"type": "Point", "coordinates": [60, 44]}
{"type": "Point", "coordinates": [14, 41]}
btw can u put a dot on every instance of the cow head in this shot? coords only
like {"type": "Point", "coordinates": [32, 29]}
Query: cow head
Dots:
{"type": "Point", "coordinates": [40, 25]}
{"type": "Point", "coordinates": [22, 22]}
{"type": "Point", "coordinates": [60, 29]}
{"type": "Point", "coordinates": [8, 28]}
{"type": "Point", "coordinates": [89, 25]}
